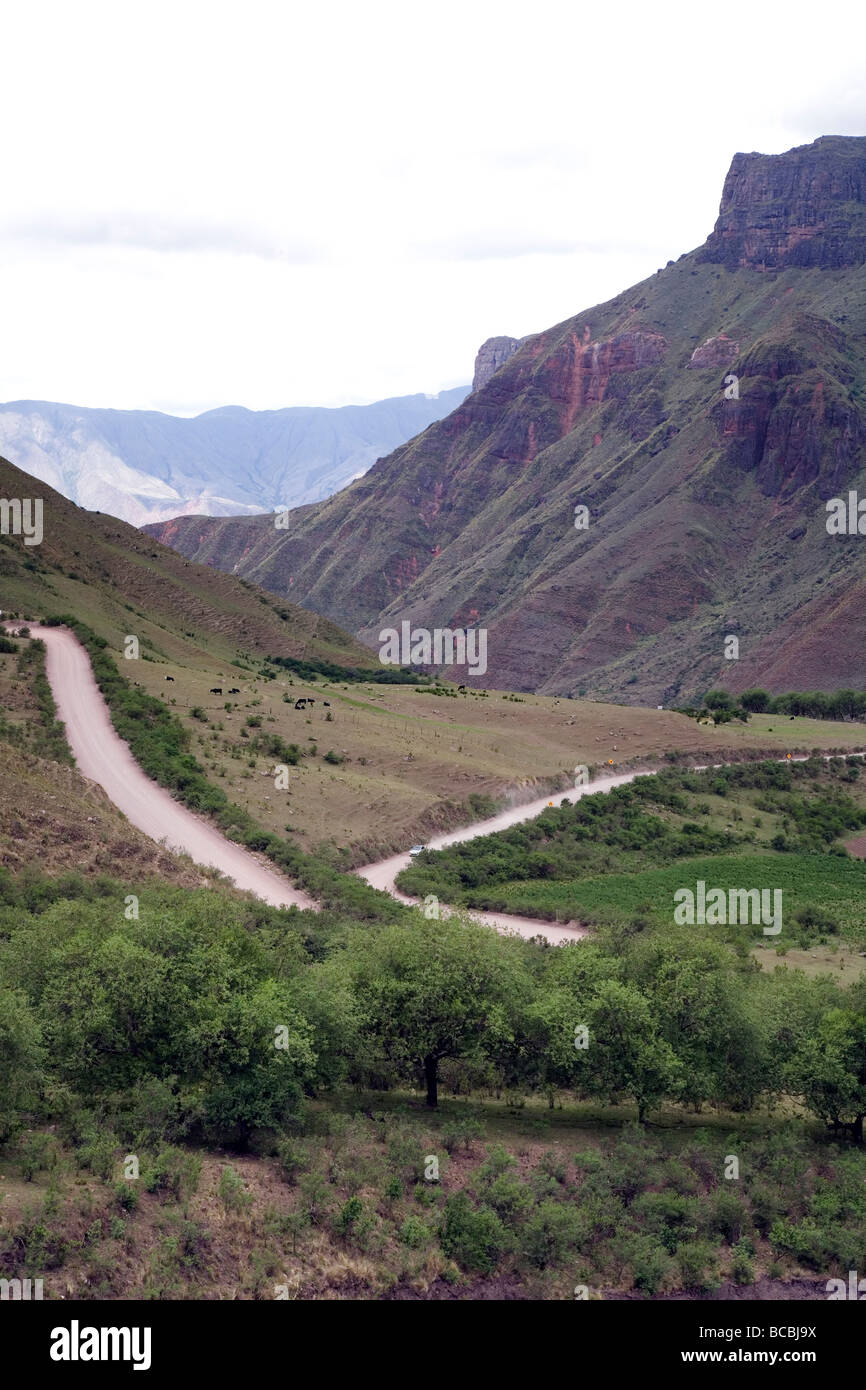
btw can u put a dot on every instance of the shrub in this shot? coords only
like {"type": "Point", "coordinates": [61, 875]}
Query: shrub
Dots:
{"type": "Point", "coordinates": [232, 1190]}
{"type": "Point", "coordinates": [460, 1134]}
{"type": "Point", "coordinates": [743, 1264]}
{"type": "Point", "coordinates": [551, 1231]}
{"type": "Point", "coordinates": [698, 1263]}
{"type": "Point", "coordinates": [174, 1172]}
{"type": "Point", "coordinates": [349, 1214]}
{"type": "Point", "coordinates": [414, 1233]}
{"type": "Point", "coordinates": [473, 1236]}
{"type": "Point", "coordinates": [126, 1196]}
{"type": "Point", "coordinates": [508, 1195]}
{"type": "Point", "coordinates": [650, 1264]}
{"type": "Point", "coordinates": [292, 1159]}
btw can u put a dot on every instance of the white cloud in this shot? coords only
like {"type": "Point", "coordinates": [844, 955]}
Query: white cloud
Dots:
{"type": "Point", "coordinates": [286, 204]}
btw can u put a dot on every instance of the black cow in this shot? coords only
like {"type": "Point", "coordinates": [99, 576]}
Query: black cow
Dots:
{"type": "Point", "coordinates": [169, 678]}
{"type": "Point", "coordinates": [310, 700]}
{"type": "Point", "coordinates": [234, 690]}
{"type": "Point", "coordinates": [328, 704]}
{"type": "Point", "coordinates": [216, 690]}
{"type": "Point", "coordinates": [300, 704]}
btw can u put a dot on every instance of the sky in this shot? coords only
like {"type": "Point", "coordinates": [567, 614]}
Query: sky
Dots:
{"type": "Point", "coordinates": [276, 204]}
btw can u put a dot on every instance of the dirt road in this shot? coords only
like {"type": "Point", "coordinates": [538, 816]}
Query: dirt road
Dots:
{"type": "Point", "coordinates": [104, 757]}
{"type": "Point", "coordinates": [383, 874]}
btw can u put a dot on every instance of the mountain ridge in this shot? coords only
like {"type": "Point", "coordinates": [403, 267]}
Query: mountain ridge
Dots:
{"type": "Point", "coordinates": [146, 465]}
{"type": "Point", "coordinates": [707, 509]}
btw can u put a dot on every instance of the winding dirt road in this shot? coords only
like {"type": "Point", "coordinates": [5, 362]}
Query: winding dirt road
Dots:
{"type": "Point", "coordinates": [105, 758]}
{"type": "Point", "coordinates": [383, 874]}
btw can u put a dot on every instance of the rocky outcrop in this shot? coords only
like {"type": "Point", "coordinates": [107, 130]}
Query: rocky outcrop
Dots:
{"type": "Point", "coordinates": [715, 352]}
{"type": "Point", "coordinates": [804, 208]}
{"type": "Point", "coordinates": [795, 422]}
{"type": "Point", "coordinates": [492, 355]}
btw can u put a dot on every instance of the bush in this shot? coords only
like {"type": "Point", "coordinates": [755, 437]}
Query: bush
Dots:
{"type": "Point", "coordinates": [552, 1230]}
{"type": "Point", "coordinates": [293, 1160]}
{"type": "Point", "coordinates": [460, 1134]}
{"type": "Point", "coordinates": [232, 1190]}
{"type": "Point", "coordinates": [126, 1196]}
{"type": "Point", "coordinates": [650, 1264]}
{"type": "Point", "coordinates": [349, 1214]}
{"type": "Point", "coordinates": [508, 1195]}
{"type": "Point", "coordinates": [173, 1173]}
{"type": "Point", "coordinates": [698, 1263]}
{"type": "Point", "coordinates": [37, 1151]}
{"type": "Point", "coordinates": [97, 1154]}
{"type": "Point", "coordinates": [743, 1264]}
{"type": "Point", "coordinates": [414, 1233]}
{"type": "Point", "coordinates": [473, 1236]}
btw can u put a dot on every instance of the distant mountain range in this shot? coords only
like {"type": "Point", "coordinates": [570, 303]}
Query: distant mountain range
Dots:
{"type": "Point", "coordinates": [702, 420]}
{"type": "Point", "coordinates": [141, 465]}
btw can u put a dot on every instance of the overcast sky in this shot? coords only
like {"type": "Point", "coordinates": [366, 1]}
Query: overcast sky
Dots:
{"type": "Point", "coordinates": [271, 204]}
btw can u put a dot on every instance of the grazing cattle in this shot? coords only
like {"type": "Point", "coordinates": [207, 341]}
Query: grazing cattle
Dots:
{"type": "Point", "coordinates": [310, 700]}
{"type": "Point", "coordinates": [216, 690]}
{"type": "Point", "coordinates": [234, 690]}
{"type": "Point", "coordinates": [461, 687]}
{"type": "Point", "coordinates": [300, 704]}
{"type": "Point", "coordinates": [169, 678]}
{"type": "Point", "coordinates": [328, 704]}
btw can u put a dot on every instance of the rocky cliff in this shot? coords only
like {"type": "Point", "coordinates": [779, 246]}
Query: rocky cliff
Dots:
{"type": "Point", "coordinates": [805, 208]}
{"type": "Point", "coordinates": [492, 355]}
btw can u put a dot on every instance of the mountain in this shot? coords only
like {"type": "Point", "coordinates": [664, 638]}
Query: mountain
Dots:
{"type": "Point", "coordinates": [703, 417]}
{"type": "Point", "coordinates": [119, 581]}
{"type": "Point", "coordinates": [143, 466]}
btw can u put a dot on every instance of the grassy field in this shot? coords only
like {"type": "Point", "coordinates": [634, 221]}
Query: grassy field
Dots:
{"type": "Point", "coordinates": [834, 885]}
{"type": "Point", "coordinates": [412, 764]}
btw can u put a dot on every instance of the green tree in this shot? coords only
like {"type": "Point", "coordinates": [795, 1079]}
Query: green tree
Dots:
{"type": "Point", "coordinates": [756, 701]}
{"type": "Point", "coordinates": [627, 1056]}
{"type": "Point", "coordinates": [261, 1059]}
{"type": "Point", "coordinates": [719, 699]}
{"type": "Point", "coordinates": [430, 990]}
{"type": "Point", "coordinates": [829, 1070]}
{"type": "Point", "coordinates": [22, 1059]}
